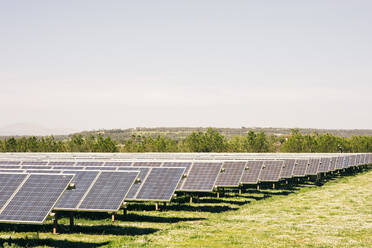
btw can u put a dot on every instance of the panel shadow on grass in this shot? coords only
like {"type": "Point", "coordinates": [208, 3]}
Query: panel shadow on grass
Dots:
{"type": "Point", "coordinates": [97, 229]}
{"type": "Point", "coordinates": [32, 242]}
{"type": "Point", "coordinates": [132, 217]}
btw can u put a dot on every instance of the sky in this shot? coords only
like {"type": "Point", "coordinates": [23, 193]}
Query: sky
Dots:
{"type": "Point", "coordinates": [121, 64]}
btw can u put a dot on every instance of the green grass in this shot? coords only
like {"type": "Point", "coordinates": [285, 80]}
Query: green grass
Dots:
{"type": "Point", "coordinates": [336, 214]}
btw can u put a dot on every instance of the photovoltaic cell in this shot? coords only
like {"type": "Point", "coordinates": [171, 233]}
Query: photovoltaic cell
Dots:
{"type": "Point", "coordinates": [35, 198]}
{"type": "Point", "coordinates": [34, 163]}
{"type": "Point", "coordinates": [160, 184]}
{"type": "Point", "coordinates": [71, 198]}
{"type": "Point", "coordinates": [10, 162]}
{"type": "Point", "coordinates": [312, 168]}
{"type": "Point", "coordinates": [202, 177]}
{"type": "Point", "coordinates": [271, 171]}
{"type": "Point", "coordinates": [288, 168]}
{"type": "Point", "coordinates": [340, 163]}
{"type": "Point", "coordinates": [12, 170]}
{"type": "Point", "coordinates": [61, 163]}
{"type": "Point", "coordinates": [324, 164]}
{"type": "Point", "coordinates": [90, 163]}
{"type": "Point", "coordinates": [109, 191]}
{"type": "Point", "coordinates": [332, 164]}
{"type": "Point", "coordinates": [300, 167]}
{"type": "Point", "coordinates": [252, 172]}
{"type": "Point", "coordinates": [186, 165]}
{"type": "Point", "coordinates": [68, 168]}
{"type": "Point", "coordinates": [143, 172]}
{"type": "Point", "coordinates": [28, 167]}
{"type": "Point", "coordinates": [43, 171]}
{"type": "Point", "coordinates": [118, 164]}
{"type": "Point", "coordinates": [10, 167]}
{"type": "Point", "coordinates": [346, 161]}
{"type": "Point", "coordinates": [150, 164]}
{"type": "Point", "coordinates": [101, 168]}
{"type": "Point", "coordinates": [8, 185]}
{"type": "Point", "coordinates": [231, 175]}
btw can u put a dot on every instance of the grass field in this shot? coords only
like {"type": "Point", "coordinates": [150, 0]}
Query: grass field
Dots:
{"type": "Point", "coordinates": [336, 214]}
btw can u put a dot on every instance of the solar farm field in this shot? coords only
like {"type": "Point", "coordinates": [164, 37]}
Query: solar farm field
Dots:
{"type": "Point", "coordinates": [337, 213]}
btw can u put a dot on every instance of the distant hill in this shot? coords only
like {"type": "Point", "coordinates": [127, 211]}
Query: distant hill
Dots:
{"type": "Point", "coordinates": [177, 133]}
{"type": "Point", "coordinates": [31, 129]}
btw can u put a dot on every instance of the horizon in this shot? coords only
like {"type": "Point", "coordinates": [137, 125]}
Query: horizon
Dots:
{"type": "Point", "coordinates": [33, 129]}
{"type": "Point", "coordinates": [122, 65]}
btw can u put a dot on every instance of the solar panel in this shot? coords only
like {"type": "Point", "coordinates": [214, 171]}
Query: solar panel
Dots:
{"type": "Point", "coordinates": [160, 184]}
{"type": "Point", "coordinates": [202, 177]}
{"type": "Point", "coordinates": [312, 168]}
{"type": "Point", "coordinates": [35, 198]}
{"type": "Point", "coordinates": [332, 164]}
{"type": "Point", "coordinates": [8, 185]}
{"type": "Point", "coordinates": [324, 164]}
{"type": "Point", "coordinates": [110, 168]}
{"type": "Point", "coordinates": [231, 174]}
{"type": "Point", "coordinates": [43, 171]}
{"type": "Point", "coordinates": [34, 163]}
{"type": "Point", "coordinates": [271, 171]}
{"type": "Point", "coordinates": [10, 162]}
{"type": "Point", "coordinates": [340, 162]}
{"type": "Point", "coordinates": [364, 159]}
{"type": "Point", "coordinates": [109, 191]}
{"type": "Point", "coordinates": [71, 198]}
{"type": "Point", "coordinates": [287, 170]}
{"type": "Point", "coordinates": [355, 160]}
{"type": "Point", "coordinates": [347, 159]}
{"type": "Point", "coordinates": [62, 163]}
{"type": "Point", "coordinates": [300, 167]}
{"type": "Point", "coordinates": [69, 167]}
{"type": "Point", "coordinates": [186, 165]}
{"type": "Point", "coordinates": [252, 172]}
{"type": "Point", "coordinates": [118, 164]}
{"type": "Point", "coordinates": [90, 163]}
{"type": "Point", "coordinates": [143, 172]}
{"type": "Point", "coordinates": [11, 170]}
{"type": "Point", "coordinates": [28, 167]}
{"type": "Point", "coordinates": [358, 159]}
{"type": "Point", "coordinates": [10, 167]}
{"type": "Point", "coordinates": [151, 164]}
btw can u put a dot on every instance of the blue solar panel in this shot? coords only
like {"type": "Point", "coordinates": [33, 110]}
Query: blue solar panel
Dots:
{"type": "Point", "coordinates": [35, 198]}
{"type": "Point", "coordinates": [8, 184]}
{"type": "Point", "coordinates": [143, 172]}
{"type": "Point", "coordinates": [71, 198]}
{"type": "Point", "coordinates": [109, 191]}
{"type": "Point", "coordinates": [160, 184]}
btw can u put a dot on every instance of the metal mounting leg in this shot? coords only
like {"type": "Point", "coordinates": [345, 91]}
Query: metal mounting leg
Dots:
{"type": "Point", "coordinates": [55, 224]}
{"type": "Point", "coordinates": [71, 219]}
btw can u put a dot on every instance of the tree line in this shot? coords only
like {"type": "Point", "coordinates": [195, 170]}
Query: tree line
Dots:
{"type": "Point", "coordinates": [209, 141]}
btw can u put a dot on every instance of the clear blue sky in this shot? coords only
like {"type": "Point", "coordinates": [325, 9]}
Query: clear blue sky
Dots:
{"type": "Point", "coordinates": [119, 64]}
